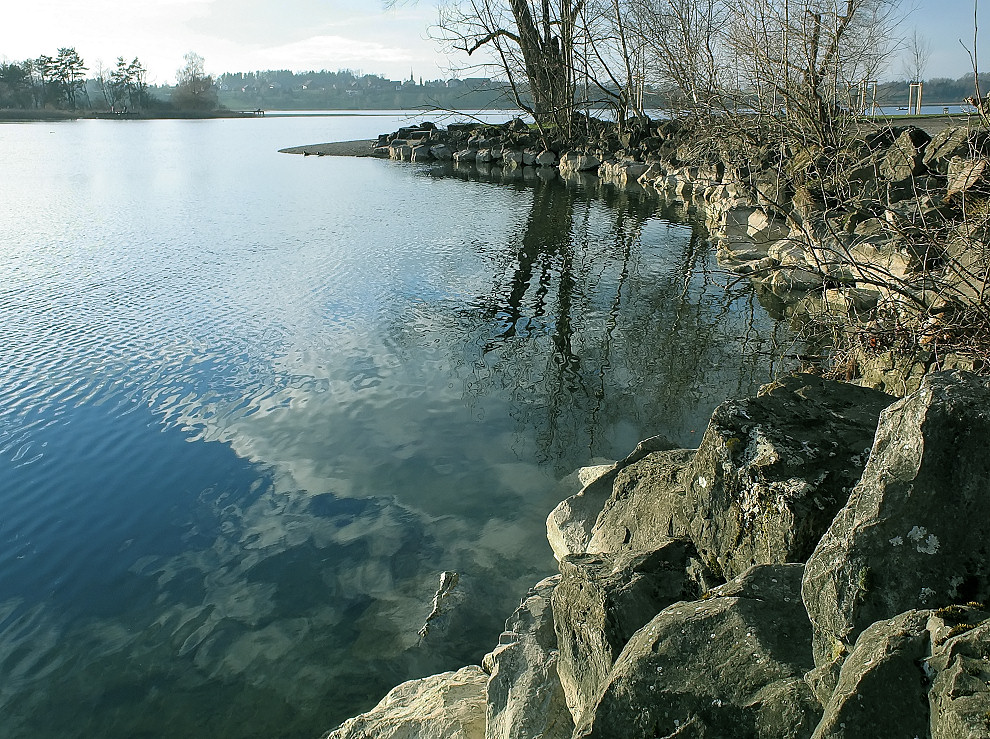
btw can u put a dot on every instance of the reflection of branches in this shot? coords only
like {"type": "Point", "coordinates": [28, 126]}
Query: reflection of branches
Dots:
{"type": "Point", "coordinates": [605, 322]}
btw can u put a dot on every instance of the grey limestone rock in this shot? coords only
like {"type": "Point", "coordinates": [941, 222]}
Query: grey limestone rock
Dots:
{"type": "Point", "coordinates": [960, 692]}
{"type": "Point", "coordinates": [729, 665]}
{"type": "Point", "coordinates": [546, 158]}
{"type": "Point", "coordinates": [905, 158]}
{"type": "Point", "coordinates": [965, 173]}
{"type": "Point", "coordinates": [421, 153]}
{"type": "Point", "coordinates": [881, 689]}
{"type": "Point", "coordinates": [577, 162]}
{"type": "Point", "coordinates": [525, 698]}
{"type": "Point", "coordinates": [569, 525]}
{"type": "Point", "coordinates": [956, 141]}
{"type": "Point", "coordinates": [600, 603]}
{"type": "Point", "coordinates": [450, 705]}
{"type": "Point", "coordinates": [644, 508]}
{"type": "Point", "coordinates": [442, 152]}
{"type": "Point", "coordinates": [772, 471]}
{"type": "Point", "coordinates": [914, 532]}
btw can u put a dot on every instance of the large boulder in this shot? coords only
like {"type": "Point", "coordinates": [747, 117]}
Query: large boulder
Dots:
{"type": "Point", "coordinates": [644, 508]}
{"type": "Point", "coordinates": [450, 705]}
{"type": "Point", "coordinates": [905, 158]}
{"type": "Point", "coordinates": [545, 158]}
{"type": "Point", "coordinates": [729, 665]}
{"type": "Point", "coordinates": [600, 603]}
{"type": "Point", "coordinates": [881, 689]}
{"type": "Point", "coordinates": [525, 698]}
{"type": "Point", "coordinates": [914, 532]}
{"type": "Point", "coordinates": [956, 141]}
{"type": "Point", "coordinates": [573, 161]}
{"type": "Point", "coordinates": [965, 174]}
{"type": "Point", "coordinates": [569, 525]}
{"type": "Point", "coordinates": [421, 153]}
{"type": "Point", "coordinates": [772, 471]}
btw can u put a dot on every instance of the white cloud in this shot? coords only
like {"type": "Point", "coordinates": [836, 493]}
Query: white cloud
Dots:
{"type": "Point", "coordinates": [330, 52]}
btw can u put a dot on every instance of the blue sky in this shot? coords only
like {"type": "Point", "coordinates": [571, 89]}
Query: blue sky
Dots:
{"type": "Point", "coordinates": [243, 35]}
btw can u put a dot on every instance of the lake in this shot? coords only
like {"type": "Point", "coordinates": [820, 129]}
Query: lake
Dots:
{"type": "Point", "coordinates": [253, 404]}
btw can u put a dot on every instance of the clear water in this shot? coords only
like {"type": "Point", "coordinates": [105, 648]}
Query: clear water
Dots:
{"type": "Point", "coordinates": [252, 404]}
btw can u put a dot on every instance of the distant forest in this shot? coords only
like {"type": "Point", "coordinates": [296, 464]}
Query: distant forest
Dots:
{"type": "Point", "coordinates": [63, 82]}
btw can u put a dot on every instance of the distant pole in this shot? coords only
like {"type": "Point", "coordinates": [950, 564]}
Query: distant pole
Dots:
{"type": "Point", "coordinates": [914, 97]}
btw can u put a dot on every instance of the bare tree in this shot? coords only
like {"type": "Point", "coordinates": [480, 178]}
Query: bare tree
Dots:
{"type": "Point", "coordinates": [796, 56]}
{"type": "Point", "coordinates": [917, 52]}
{"type": "Point", "coordinates": [531, 42]}
{"type": "Point", "coordinates": [685, 48]}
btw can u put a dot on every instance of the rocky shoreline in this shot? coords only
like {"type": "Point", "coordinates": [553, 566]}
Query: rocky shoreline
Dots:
{"type": "Point", "coordinates": [819, 566]}
{"type": "Point", "coordinates": [886, 242]}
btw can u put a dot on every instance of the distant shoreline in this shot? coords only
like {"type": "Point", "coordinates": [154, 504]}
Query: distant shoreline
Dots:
{"type": "Point", "coordinates": [28, 115]}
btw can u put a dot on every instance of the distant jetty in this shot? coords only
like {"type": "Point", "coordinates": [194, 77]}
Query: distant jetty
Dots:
{"type": "Point", "coordinates": [359, 148]}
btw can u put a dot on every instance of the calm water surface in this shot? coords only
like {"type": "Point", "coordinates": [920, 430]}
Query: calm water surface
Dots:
{"type": "Point", "coordinates": [252, 404]}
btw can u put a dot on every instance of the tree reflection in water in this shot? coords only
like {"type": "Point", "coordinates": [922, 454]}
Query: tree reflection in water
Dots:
{"type": "Point", "coordinates": [608, 316]}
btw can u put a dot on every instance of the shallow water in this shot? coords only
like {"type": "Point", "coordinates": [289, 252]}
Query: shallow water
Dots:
{"type": "Point", "coordinates": [252, 404]}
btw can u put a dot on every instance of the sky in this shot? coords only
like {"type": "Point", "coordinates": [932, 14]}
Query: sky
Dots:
{"type": "Point", "coordinates": [303, 35]}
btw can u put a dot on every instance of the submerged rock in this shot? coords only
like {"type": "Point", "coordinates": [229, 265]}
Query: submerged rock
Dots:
{"type": "Point", "coordinates": [914, 532]}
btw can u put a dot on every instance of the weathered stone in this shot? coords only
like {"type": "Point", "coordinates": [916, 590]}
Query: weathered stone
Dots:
{"type": "Point", "coordinates": [623, 172]}
{"type": "Point", "coordinates": [763, 228]}
{"type": "Point", "coordinates": [726, 666]}
{"type": "Point", "coordinates": [957, 141]}
{"type": "Point", "coordinates": [576, 162]}
{"type": "Point", "coordinates": [442, 152]}
{"type": "Point", "coordinates": [600, 603]}
{"type": "Point", "coordinates": [512, 158]}
{"type": "Point", "coordinates": [850, 300]}
{"type": "Point", "coordinates": [881, 688]}
{"type": "Point", "coordinates": [914, 532]}
{"type": "Point", "coordinates": [964, 174]}
{"type": "Point", "coordinates": [735, 221]}
{"type": "Point", "coordinates": [525, 698]}
{"type": "Point", "coordinates": [904, 159]}
{"type": "Point", "coordinates": [484, 156]}
{"type": "Point", "coordinates": [772, 471]}
{"type": "Point", "coordinates": [450, 705]}
{"type": "Point", "coordinates": [569, 525]}
{"type": "Point", "coordinates": [735, 250]}
{"type": "Point", "coordinates": [546, 158]}
{"type": "Point", "coordinates": [795, 279]}
{"type": "Point", "coordinates": [959, 698]}
{"type": "Point", "coordinates": [644, 508]}
{"type": "Point", "coordinates": [790, 253]}
{"type": "Point", "coordinates": [466, 156]}
{"type": "Point", "coordinates": [880, 259]}
{"type": "Point", "coordinates": [421, 153]}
